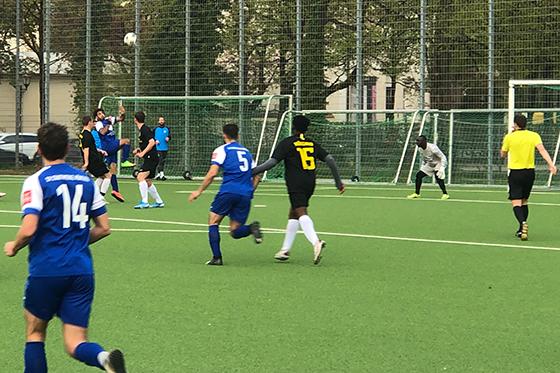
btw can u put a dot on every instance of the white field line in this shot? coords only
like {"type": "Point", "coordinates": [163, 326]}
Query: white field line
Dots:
{"type": "Point", "coordinates": [336, 234]}
{"type": "Point", "coordinates": [347, 196]}
{"type": "Point", "coordinates": [281, 186]}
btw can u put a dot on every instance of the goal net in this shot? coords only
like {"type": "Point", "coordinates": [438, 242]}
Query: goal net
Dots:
{"type": "Point", "coordinates": [196, 122]}
{"type": "Point", "coordinates": [366, 144]}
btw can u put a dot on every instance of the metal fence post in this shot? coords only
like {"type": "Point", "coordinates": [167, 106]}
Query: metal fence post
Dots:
{"type": "Point", "coordinates": [137, 30]}
{"type": "Point", "coordinates": [241, 89]}
{"type": "Point", "coordinates": [187, 79]}
{"type": "Point", "coordinates": [299, 31]}
{"type": "Point", "coordinates": [88, 57]}
{"type": "Point", "coordinates": [359, 83]}
{"type": "Point", "coordinates": [422, 98]}
{"type": "Point", "coordinates": [490, 138]}
{"type": "Point", "coordinates": [47, 59]}
{"type": "Point", "coordinates": [17, 80]}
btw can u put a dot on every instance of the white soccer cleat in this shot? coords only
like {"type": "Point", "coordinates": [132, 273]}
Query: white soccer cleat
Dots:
{"type": "Point", "coordinates": [413, 196]}
{"type": "Point", "coordinates": [282, 255]}
{"type": "Point", "coordinates": [2, 194]}
{"type": "Point", "coordinates": [317, 250]}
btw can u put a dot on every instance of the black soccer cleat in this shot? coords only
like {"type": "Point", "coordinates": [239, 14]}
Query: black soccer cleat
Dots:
{"type": "Point", "coordinates": [115, 362]}
{"type": "Point", "coordinates": [215, 262]}
{"type": "Point", "coordinates": [518, 234]}
{"type": "Point", "coordinates": [256, 231]}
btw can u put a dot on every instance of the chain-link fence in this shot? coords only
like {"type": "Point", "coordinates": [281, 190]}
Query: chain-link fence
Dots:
{"type": "Point", "coordinates": [330, 54]}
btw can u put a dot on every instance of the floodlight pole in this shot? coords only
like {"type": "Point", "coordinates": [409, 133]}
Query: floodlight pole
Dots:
{"type": "Point", "coordinates": [422, 98]}
{"type": "Point", "coordinates": [187, 79]}
{"type": "Point", "coordinates": [46, 59]}
{"type": "Point", "coordinates": [137, 29]}
{"type": "Point", "coordinates": [299, 32]}
{"type": "Point", "coordinates": [241, 89]}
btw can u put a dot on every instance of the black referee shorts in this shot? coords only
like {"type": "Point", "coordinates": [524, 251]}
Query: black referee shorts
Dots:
{"type": "Point", "coordinates": [97, 168]}
{"type": "Point", "coordinates": [521, 183]}
{"type": "Point", "coordinates": [150, 164]}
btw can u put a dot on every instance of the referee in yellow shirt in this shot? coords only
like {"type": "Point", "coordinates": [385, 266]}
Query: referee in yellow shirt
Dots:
{"type": "Point", "coordinates": [520, 145]}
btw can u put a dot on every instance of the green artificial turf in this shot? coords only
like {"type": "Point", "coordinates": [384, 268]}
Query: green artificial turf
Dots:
{"type": "Point", "coordinates": [376, 303]}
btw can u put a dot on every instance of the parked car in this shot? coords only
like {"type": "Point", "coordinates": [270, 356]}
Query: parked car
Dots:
{"type": "Point", "coordinates": [8, 158]}
{"type": "Point", "coordinates": [27, 143]}
{"type": "Point", "coordinates": [73, 157]}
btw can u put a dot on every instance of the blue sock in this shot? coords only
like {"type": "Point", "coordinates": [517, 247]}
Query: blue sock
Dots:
{"type": "Point", "coordinates": [214, 238]}
{"type": "Point", "coordinates": [35, 358]}
{"type": "Point", "coordinates": [114, 183]}
{"type": "Point", "coordinates": [125, 152]}
{"type": "Point", "coordinates": [241, 232]}
{"type": "Point", "coordinates": [87, 352]}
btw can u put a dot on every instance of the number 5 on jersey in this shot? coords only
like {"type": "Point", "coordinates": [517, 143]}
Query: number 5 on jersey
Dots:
{"type": "Point", "coordinates": [243, 162]}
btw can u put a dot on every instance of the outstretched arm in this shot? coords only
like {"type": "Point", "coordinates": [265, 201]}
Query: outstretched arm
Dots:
{"type": "Point", "coordinates": [265, 166]}
{"type": "Point", "coordinates": [212, 173]}
{"type": "Point", "coordinates": [329, 160]}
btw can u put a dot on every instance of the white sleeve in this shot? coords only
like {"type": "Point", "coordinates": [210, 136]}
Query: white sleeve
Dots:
{"type": "Point", "coordinates": [219, 156]}
{"type": "Point", "coordinates": [31, 196]}
{"type": "Point", "coordinates": [98, 125]}
{"type": "Point", "coordinates": [438, 153]}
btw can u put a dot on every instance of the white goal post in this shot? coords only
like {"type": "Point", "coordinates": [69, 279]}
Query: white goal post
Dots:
{"type": "Point", "coordinates": [513, 84]}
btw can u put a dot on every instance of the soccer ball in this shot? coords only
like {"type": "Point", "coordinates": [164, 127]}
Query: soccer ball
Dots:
{"type": "Point", "coordinates": [130, 39]}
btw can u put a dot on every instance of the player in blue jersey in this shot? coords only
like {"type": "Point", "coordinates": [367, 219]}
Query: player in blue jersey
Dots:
{"type": "Point", "coordinates": [105, 127]}
{"type": "Point", "coordinates": [57, 204]}
{"type": "Point", "coordinates": [235, 195]}
{"type": "Point", "coordinates": [162, 135]}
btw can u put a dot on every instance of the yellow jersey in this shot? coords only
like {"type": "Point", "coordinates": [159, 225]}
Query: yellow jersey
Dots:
{"type": "Point", "coordinates": [520, 145]}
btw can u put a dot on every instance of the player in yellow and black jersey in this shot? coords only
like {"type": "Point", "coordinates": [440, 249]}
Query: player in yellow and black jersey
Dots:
{"type": "Point", "coordinates": [300, 155]}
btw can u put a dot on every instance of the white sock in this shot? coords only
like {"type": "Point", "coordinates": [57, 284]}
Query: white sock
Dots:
{"type": "Point", "coordinates": [290, 236]}
{"type": "Point", "coordinates": [308, 229]}
{"type": "Point", "coordinates": [105, 183]}
{"type": "Point", "coordinates": [154, 193]}
{"type": "Point", "coordinates": [102, 357]}
{"type": "Point", "coordinates": [143, 186]}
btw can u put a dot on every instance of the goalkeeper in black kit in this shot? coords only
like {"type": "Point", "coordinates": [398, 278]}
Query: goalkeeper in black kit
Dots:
{"type": "Point", "coordinates": [300, 155]}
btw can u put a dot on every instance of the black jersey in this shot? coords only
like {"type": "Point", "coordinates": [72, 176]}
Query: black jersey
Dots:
{"type": "Point", "coordinates": [300, 156]}
{"type": "Point", "coordinates": [88, 142]}
{"type": "Point", "coordinates": [145, 135]}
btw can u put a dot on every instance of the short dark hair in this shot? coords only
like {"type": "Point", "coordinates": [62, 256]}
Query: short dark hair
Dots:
{"type": "Point", "coordinates": [300, 123]}
{"type": "Point", "coordinates": [97, 111]}
{"type": "Point", "coordinates": [53, 141]}
{"type": "Point", "coordinates": [231, 130]}
{"type": "Point", "coordinates": [140, 116]}
{"type": "Point", "coordinates": [85, 120]}
{"type": "Point", "coordinates": [520, 120]}
{"type": "Point", "coordinates": [422, 137]}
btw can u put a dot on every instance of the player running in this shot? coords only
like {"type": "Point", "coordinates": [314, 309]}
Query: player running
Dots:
{"type": "Point", "coordinates": [57, 204]}
{"type": "Point", "coordinates": [300, 156]}
{"type": "Point", "coordinates": [93, 160]}
{"type": "Point", "coordinates": [520, 145]}
{"type": "Point", "coordinates": [434, 164]}
{"type": "Point", "coordinates": [146, 174]}
{"type": "Point", "coordinates": [235, 195]}
{"type": "Point", "coordinates": [105, 127]}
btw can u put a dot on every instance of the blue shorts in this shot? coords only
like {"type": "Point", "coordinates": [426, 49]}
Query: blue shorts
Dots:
{"type": "Point", "coordinates": [112, 148]}
{"type": "Point", "coordinates": [235, 206]}
{"type": "Point", "coordinates": [68, 297]}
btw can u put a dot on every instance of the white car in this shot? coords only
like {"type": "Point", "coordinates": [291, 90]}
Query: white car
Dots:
{"type": "Point", "coordinates": [27, 143]}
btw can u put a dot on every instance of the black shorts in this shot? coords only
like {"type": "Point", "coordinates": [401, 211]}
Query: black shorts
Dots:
{"type": "Point", "coordinates": [299, 197]}
{"type": "Point", "coordinates": [150, 164]}
{"type": "Point", "coordinates": [520, 183]}
{"type": "Point", "coordinates": [97, 168]}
